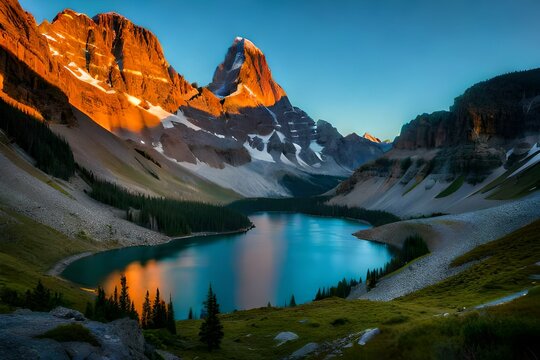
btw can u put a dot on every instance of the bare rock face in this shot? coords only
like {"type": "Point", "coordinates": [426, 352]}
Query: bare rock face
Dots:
{"type": "Point", "coordinates": [126, 57]}
{"type": "Point", "coordinates": [28, 74]}
{"type": "Point", "coordinates": [244, 78]}
{"type": "Point", "coordinates": [494, 111]}
{"type": "Point", "coordinates": [371, 138]}
{"type": "Point", "coordinates": [350, 151]}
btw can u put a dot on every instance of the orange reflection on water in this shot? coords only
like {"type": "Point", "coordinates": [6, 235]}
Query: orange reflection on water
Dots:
{"type": "Point", "coordinates": [140, 278]}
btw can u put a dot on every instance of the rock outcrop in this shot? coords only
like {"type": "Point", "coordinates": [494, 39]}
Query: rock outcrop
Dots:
{"type": "Point", "coordinates": [20, 331]}
{"type": "Point", "coordinates": [495, 111]}
{"type": "Point", "coordinates": [244, 78]}
{"type": "Point", "coordinates": [371, 138]}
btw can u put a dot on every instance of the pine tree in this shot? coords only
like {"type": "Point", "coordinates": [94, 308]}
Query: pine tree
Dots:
{"type": "Point", "coordinates": [146, 317]}
{"type": "Point", "coordinates": [292, 303]}
{"type": "Point", "coordinates": [133, 314]}
{"type": "Point", "coordinates": [89, 312]}
{"type": "Point", "coordinates": [124, 301]}
{"type": "Point", "coordinates": [171, 324]}
{"type": "Point", "coordinates": [211, 331]}
{"type": "Point", "coordinates": [100, 305]}
{"type": "Point", "coordinates": [190, 314]}
{"type": "Point", "coordinates": [157, 311]}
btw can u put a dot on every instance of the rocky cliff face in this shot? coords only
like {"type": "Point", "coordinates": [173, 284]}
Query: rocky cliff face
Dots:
{"type": "Point", "coordinates": [115, 72]}
{"type": "Point", "coordinates": [494, 111]}
{"type": "Point", "coordinates": [485, 146]}
{"type": "Point", "coordinates": [244, 78]}
{"type": "Point", "coordinates": [371, 138]}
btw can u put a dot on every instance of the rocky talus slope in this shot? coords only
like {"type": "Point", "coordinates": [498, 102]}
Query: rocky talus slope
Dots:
{"type": "Point", "coordinates": [448, 237]}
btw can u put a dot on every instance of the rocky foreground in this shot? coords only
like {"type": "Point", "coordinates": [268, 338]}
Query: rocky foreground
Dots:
{"type": "Point", "coordinates": [19, 331]}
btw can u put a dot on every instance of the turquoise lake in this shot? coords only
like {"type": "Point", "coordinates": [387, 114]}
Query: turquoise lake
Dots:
{"type": "Point", "coordinates": [285, 254]}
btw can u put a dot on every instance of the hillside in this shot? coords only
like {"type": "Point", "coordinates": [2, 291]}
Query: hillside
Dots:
{"type": "Point", "coordinates": [480, 153]}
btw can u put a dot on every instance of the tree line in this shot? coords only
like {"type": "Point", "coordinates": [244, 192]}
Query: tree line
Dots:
{"type": "Point", "coordinates": [40, 298]}
{"type": "Point", "coordinates": [342, 289]}
{"type": "Point", "coordinates": [51, 153]}
{"type": "Point", "coordinates": [413, 247]}
{"type": "Point", "coordinates": [171, 217]}
{"type": "Point", "coordinates": [313, 206]}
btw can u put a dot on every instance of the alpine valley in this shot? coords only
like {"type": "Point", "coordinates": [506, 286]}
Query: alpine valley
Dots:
{"type": "Point", "coordinates": [120, 178]}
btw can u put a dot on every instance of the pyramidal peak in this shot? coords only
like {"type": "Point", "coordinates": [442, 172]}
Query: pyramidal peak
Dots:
{"type": "Point", "coordinates": [244, 77]}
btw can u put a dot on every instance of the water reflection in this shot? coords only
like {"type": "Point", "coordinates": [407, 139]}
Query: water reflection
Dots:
{"type": "Point", "coordinates": [285, 254]}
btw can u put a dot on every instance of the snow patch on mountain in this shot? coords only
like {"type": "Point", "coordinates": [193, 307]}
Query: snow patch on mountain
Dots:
{"type": "Point", "coordinates": [262, 155]}
{"type": "Point", "coordinates": [86, 77]}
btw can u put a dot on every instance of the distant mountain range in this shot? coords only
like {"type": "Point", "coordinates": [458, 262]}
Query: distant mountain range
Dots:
{"type": "Point", "coordinates": [240, 132]}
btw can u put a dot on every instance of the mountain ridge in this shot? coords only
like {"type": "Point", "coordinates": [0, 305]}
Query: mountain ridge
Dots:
{"type": "Point", "coordinates": [115, 73]}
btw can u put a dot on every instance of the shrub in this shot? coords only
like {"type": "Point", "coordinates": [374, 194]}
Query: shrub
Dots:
{"type": "Point", "coordinates": [70, 332]}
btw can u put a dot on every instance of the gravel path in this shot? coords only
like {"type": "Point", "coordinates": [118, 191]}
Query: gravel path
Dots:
{"type": "Point", "coordinates": [449, 236]}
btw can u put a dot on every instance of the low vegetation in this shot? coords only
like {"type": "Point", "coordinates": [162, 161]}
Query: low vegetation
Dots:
{"type": "Point", "coordinates": [342, 289]}
{"type": "Point", "coordinates": [39, 298]}
{"type": "Point", "coordinates": [413, 247]}
{"type": "Point", "coordinates": [171, 217]}
{"type": "Point", "coordinates": [51, 153]}
{"type": "Point", "coordinates": [313, 206]}
{"type": "Point", "coordinates": [70, 332]}
{"type": "Point", "coordinates": [452, 188]}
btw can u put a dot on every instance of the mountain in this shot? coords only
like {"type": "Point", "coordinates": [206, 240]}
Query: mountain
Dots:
{"type": "Point", "coordinates": [483, 151]}
{"type": "Point", "coordinates": [371, 138]}
{"type": "Point", "coordinates": [240, 132]}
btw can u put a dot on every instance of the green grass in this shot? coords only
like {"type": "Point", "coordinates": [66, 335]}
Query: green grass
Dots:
{"type": "Point", "coordinates": [249, 334]}
{"type": "Point", "coordinates": [452, 188]}
{"type": "Point", "coordinates": [29, 249]}
{"type": "Point", "coordinates": [409, 326]}
{"type": "Point", "coordinates": [505, 267]}
{"type": "Point", "coordinates": [519, 185]}
{"type": "Point", "coordinates": [70, 332]}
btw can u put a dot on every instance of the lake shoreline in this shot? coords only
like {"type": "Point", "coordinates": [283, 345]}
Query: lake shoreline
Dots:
{"type": "Point", "coordinates": [322, 216]}
{"type": "Point", "coordinates": [58, 268]}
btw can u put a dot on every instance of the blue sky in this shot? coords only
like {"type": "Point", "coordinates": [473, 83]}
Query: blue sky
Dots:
{"type": "Point", "coordinates": [368, 65]}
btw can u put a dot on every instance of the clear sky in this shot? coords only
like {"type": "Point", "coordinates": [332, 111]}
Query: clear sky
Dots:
{"type": "Point", "coordinates": [365, 65]}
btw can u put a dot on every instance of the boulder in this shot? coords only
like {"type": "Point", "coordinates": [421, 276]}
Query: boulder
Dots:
{"type": "Point", "coordinates": [368, 335]}
{"type": "Point", "coordinates": [65, 313]}
{"type": "Point", "coordinates": [284, 337]}
{"type": "Point", "coordinates": [304, 350]}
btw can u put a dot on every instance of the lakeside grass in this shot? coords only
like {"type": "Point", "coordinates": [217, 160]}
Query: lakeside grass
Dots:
{"type": "Point", "coordinates": [29, 249]}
